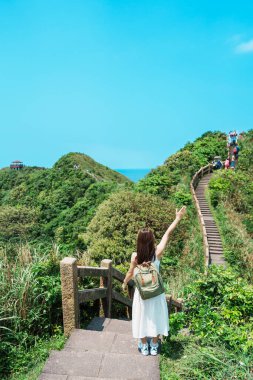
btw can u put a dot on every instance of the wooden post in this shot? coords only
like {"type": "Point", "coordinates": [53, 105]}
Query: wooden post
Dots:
{"type": "Point", "coordinates": [70, 305]}
{"type": "Point", "coordinates": [106, 282]}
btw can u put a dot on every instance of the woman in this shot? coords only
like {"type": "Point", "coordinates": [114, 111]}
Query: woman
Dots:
{"type": "Point", "coordinates": [150, 317]}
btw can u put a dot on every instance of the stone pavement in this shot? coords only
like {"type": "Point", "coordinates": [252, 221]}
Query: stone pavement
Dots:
{"type": "Point", "coordinates": [106, 350]}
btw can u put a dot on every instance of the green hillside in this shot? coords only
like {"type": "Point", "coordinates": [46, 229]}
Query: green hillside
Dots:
{"type": "Point", "coordinates": [88, 166]}
{"type": "Point", "coordinates": [83, 209]}
{"type": "Point", "coordinates": [54, 204]}
{"type": "Point", "coordinates": [168, 188]}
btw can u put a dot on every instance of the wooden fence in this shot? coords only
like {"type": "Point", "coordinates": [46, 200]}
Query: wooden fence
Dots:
{"type": "Point", "coordinates": [72, 297]}
{"type": "Point", "coordinates": [194, 184]}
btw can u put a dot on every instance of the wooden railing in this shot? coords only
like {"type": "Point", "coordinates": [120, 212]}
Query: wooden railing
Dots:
{"type": "Point", "coordinates": [194, 184]}
{"type": "Point", "coordinates": [72, 297]}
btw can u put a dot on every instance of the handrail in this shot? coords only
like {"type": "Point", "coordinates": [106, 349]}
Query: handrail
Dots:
{"type": "Point", "coordinates": [120, 276]}
{"type": "Point", "coordinates": [72, 297]}
{"type": "Point", "coordinates": [194, 183]}
{"type": "Point", "coordinates": [91, 271]}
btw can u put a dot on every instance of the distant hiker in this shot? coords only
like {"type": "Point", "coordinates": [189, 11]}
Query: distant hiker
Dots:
{"type": "Point", "coordinates": [236, 151]}
{"type": "Point", "coordinates": [227, 163]}
{"type": "Point", "coordinates": [232, 163]}
{"type": "Point", "coordinates": [150, 315]}
{"type": "Point", "coordinates": [232, 138]}
{"type": "Point", "coordinates": [217, 164]}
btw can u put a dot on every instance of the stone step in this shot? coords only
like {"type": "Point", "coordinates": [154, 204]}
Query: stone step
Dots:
{"type": "Point", "coordinates": [121, 326]}
{"type": "Point", "coordinates": [214, 252]}
{"type": "Point", "coordinates": [102, 341]}
{"type": "Point", "coordinates": [218, 260]}
{"type": "Point", "coordinates": [101, 365]}
{"type": "Point", "coordinates": [50, 376]}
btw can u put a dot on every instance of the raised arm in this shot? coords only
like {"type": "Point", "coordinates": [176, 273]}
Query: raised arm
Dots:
{"type": "Point", "coordinates": [163, 243]}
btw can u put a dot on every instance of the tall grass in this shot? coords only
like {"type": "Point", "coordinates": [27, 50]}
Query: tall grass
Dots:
{"type": "Point", "coordinates": [191, 263]}
{"type": "Point", "coordinates": [30, 302]}
{"type": "Point", "coordinates": [237, 244]}
{"type": "Point", "coordinates": [186, 358]}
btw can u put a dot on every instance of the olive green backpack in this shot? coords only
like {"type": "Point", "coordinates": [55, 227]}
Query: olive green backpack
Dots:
{"type": "Point", "coordinates": [148, 281]}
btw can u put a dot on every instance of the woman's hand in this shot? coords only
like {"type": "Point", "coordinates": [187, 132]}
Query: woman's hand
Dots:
{"type": "Point", "coordinates": [180, 213]}
{"type": "Point", "coordinates": [124, 286]}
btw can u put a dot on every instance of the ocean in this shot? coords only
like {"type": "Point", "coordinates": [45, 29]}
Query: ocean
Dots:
{"type": "Point", "coordinates": [134, 174]}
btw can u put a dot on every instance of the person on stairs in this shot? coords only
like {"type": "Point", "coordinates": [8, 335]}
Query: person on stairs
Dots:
{"type": "Point", "coordinates": [150, 316]}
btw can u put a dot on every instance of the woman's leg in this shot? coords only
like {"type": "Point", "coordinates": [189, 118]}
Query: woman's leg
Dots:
{"type": "Point", "coordinates": [144, 340]}
{"type": "Point", "coordinates": [154, 346]}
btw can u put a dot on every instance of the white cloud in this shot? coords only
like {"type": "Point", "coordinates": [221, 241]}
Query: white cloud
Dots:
{"type": "Point", "coordinates": [244, 47]}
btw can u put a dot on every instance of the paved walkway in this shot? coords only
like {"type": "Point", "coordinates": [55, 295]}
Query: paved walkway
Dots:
{"type": "Point", "coordinates": [106, 350]}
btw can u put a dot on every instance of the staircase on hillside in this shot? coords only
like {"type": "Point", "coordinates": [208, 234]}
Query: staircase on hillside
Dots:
{"type": "Point", "coordinates": [106, 350]}
{"type": "Point", "coordinates": [214, 242]}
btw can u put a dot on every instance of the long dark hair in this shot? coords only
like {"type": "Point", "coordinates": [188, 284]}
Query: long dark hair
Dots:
{"type": "Point", "coordinates": [145, 245]}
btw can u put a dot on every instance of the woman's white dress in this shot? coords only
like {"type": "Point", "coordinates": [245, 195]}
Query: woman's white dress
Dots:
{"type": "Point", "coordinates": [149, 317]}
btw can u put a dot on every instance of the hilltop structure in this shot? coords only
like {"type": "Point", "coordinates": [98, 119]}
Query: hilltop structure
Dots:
{"type": "Point", "coordinates": [16, 165]}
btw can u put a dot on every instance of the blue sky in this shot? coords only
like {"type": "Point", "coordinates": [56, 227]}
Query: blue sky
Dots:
{"type": "Point", "coordinates": [126, 82]}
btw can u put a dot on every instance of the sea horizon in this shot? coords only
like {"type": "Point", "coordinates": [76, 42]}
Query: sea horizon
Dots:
{"type": "Point", "coordinates": [134, 174]}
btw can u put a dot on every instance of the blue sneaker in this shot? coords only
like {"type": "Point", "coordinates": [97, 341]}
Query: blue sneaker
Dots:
{"type": "Point", "coordinates": [139, 345]}
{"type": "Point", "coordinates": [153, 348]}
{"type": "Point", "coordinates": [144, 349]}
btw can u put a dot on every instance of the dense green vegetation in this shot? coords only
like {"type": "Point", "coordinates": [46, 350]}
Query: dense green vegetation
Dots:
{"type": "Point", "coordinates": [42, 213]}
{"type": "Point", "coordinates": [219, 339]}
{"type": "Point", "coordinates": [54, 204]}
{"type": "Point", "coordinates": [231, 197]}
{"type": "Point", "coordinates": [219, 312]}
{"type": "Point", "coordinates": [173, 177]}
{"type": "Point", "coordinates": [83, 209]}
{"type": "Point", "coordinates": [112, 232]}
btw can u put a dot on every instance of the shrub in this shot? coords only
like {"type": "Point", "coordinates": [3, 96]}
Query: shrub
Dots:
{"type": "Point", "coordinates": [113, 230]}
{"type": "Point", "coordinates": [220, 308]}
